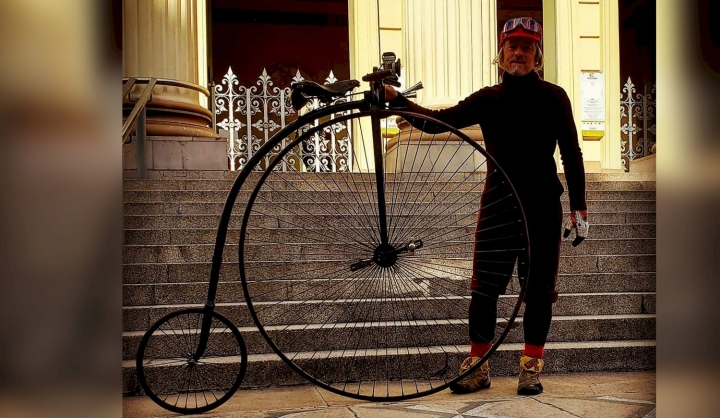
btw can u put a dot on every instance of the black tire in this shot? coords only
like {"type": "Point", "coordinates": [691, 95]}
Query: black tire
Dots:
{"type": "Point", "coordinates": [172, 380]}
{"type": "Point", "coordinates": [378, 330]}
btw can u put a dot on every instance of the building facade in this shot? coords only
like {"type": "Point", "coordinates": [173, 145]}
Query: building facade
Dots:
{"type": "Point", "coordinates": [449, 45]}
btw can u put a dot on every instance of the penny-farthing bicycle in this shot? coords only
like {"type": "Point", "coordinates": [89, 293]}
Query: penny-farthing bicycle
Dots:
{"type": "Point", "coordinates": [359, 280]}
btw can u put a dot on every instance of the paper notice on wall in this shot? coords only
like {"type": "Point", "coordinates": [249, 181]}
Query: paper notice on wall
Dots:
{"type": "Point", "coordinates": [593, 130]}
{"type": "Point", "coordinates": [389, 127]}
{"type": "Point", "coordinates": [592, 96]}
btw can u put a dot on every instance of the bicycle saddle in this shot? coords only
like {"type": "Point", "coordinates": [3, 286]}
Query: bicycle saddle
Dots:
{"type": "Point", "coordinates": [302, 90]}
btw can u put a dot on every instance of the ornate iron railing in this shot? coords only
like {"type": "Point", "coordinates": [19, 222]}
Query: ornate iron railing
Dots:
{"type": "Point", "coordinates": [249, 116]}
{"type": "Point", "coordinates": [637, 120]}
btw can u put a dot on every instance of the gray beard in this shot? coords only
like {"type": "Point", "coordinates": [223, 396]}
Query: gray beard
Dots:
{"type": "Point", "coordinates": [517, 70]}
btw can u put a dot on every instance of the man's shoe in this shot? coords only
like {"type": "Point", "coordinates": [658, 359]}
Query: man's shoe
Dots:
{"type": "Point", "coordinates": [530, 369]}
{"type": "Point", "coordinates": [479, 379]}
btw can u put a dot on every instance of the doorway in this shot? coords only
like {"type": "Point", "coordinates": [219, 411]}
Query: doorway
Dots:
{"type": "Point", "coordinates": [637, 78]}
{"type": "Point", "coordinates": [280, 37]}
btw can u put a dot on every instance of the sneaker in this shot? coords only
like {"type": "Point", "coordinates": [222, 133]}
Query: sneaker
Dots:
{"type": "Point", "coordinates": [479, 379]}
{"type": "Point", "coordinates": [530, 369]}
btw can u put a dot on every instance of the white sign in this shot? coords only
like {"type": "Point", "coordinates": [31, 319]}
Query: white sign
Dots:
{"type": "Point", "coordinates": [592, 96]}
{"type": "Point", "coordinates": [593, 126]}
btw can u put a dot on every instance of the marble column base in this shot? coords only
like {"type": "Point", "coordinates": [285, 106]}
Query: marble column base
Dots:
{"type": "Point", "coordinates": [405, 152]}
{"type": "Point", "coordinates": [173, 118]}
{"type": "Point", "coordinates": [179, 153]}
{"type": "Point", "coordinates": [644, 164]}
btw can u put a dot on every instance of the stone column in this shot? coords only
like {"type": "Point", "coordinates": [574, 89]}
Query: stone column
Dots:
{"type": "Point", "coordinates": [364, 55]}
{"type": "Point", "coordinates": [584, 37]}
{"type": "Point", "coordinates": [166, 39]}
{"type": "Point", "coordinates": [611, 149]}
{"type": "Point", "coordinates": [450, 48]}
{"type": "Point", "coordinates": [561, 64]}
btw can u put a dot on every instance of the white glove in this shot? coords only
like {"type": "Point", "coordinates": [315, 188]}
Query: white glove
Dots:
{"type": "Point", "coordinates": [577, 221]}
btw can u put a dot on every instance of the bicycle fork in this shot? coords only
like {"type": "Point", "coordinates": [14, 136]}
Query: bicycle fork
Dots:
{"type": "Point", "coordinates": [204, 330]}
{"type": "Point", "coordinates": [209, 307]}
{"type": "Point", "coordinates": [385, 255]}
{"type": "Point", "coordinates": [379, 173]}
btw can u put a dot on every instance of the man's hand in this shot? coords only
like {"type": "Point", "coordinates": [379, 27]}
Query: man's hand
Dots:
{"type": "Point", "coordinates": [579, 222]}
{"type": "Point", "coordinates": [390, 93]}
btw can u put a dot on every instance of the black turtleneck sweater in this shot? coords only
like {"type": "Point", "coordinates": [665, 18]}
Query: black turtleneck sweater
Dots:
{"type": "Point", "coordinates": [522, 120]}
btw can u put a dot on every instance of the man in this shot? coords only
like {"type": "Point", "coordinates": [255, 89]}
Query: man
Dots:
{"type": "Point", "coordinates": [522, 119]}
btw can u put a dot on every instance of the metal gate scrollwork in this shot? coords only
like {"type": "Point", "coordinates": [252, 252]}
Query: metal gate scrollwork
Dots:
{"type": "Point", "coordinates": [637, 120]}
{"type": "Point", "coordinates": [249, 116]}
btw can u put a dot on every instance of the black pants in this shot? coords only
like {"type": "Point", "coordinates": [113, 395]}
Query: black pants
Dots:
{"type": "Point", "coordinates": [497, 250]}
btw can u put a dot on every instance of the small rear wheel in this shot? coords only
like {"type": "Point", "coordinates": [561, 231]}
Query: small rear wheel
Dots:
{"type": "Point", "coordinates": [173, 379]}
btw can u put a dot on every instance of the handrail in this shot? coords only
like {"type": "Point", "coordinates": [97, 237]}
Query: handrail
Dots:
{"type": "Point", "coordinates": [172, 83]}
{"type": "Point", "coordinates": [213, 110]}
{"type": "Point", "coordinates": [139, 107]}
{"type": "Point", "coordinates": [138, 116]}
{"type": "Point", "coordinates": [127, 85]}
{"type": "Point", "coordinates": [129, 82]}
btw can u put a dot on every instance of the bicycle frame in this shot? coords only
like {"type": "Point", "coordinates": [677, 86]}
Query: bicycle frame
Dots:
{"type": "Point", "coordinates": [372, 100]}
{"type": "Point", "coordinates": [373, 104]}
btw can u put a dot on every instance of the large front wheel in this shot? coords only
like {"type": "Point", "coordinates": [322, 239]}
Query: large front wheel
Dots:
{"type": "Point", "coordinates": [372, 319]}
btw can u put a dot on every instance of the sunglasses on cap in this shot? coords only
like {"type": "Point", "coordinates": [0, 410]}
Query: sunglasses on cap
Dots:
{"type": "Point", "coordinates": [527, 23]}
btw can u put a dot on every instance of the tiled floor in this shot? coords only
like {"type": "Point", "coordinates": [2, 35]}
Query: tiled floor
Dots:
{"type": "Point", "coordinates": [588, 395]}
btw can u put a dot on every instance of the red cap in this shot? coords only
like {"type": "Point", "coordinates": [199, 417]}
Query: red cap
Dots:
{"type": "Point", "coordinates": [521, 27]}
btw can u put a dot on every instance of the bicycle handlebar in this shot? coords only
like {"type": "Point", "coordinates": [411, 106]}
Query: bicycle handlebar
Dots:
{"type": "Point", "coordinates": [377, 75]}
{"type": "Point", "coordinates": [388, 73]}
{"type": "Point", "coordinates": [411, 92]}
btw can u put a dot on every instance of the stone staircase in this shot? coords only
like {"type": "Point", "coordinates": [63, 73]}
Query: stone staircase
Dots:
{"type": "Point", "coordinates": [604, 319]}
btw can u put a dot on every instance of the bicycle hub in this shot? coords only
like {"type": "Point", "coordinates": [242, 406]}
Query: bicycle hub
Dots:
{"type": "Point", "coordinates": [385, 255]}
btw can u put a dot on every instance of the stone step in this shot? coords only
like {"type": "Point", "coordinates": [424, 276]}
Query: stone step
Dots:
{"type": "Point", "coordinates": [189, 208]}
{"type": "Point", "coordinates": [159, 230]}
{"type": "Point", "coordinates": [321, 183]}
{"type": "Point", "coordinates": [346, 197]}
{"type": "Point", "coordinates": [560, 357]}
{"type": "Point", "coordinates": [137, 318]}
{"type": "Point", "coordinates": [639, 208]}
{"type": "Point", "coordinates": [314, 251]}
{"type": "Point", "coordinates": [183, 227]}
{"type": "Point", "coordinates": [231, 175]}
{"type": "Point", "coordinates": [196, 293]}
{"type": "Point", "coordinates": [617, 185]}
{"type": "Point", "coordinates": [335, 336]}
{"type": "Point", "coordinates": [316, 183]}
{"type": "Point", "coordinates": [604, 318]}
{"type": "Point", "coordinates": [200, 272]}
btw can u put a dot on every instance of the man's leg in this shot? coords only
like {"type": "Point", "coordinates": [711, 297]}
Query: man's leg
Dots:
{"type": "Point", "coordinates": [537, 318]}
{"type": "Point", "coordinates": [544, 230]}
{"type": "Point", "coordinates": [482, 316]}
{"type": "Point", "coordinates": [492, 270]}
{"type": "Point", "coordinates": [536, 324]}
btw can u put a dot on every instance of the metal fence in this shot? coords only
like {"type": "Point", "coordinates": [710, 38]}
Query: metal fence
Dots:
{"type": "Point", "coordinates": [637, 120]}
{"type": "Point", "coordinates": [250, 115]}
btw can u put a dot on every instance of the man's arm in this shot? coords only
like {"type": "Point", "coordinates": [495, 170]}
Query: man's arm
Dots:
{"type": "Point", "coordinates": [571, 155]}
{"type": "Point", "coordinates": [462, 115]}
